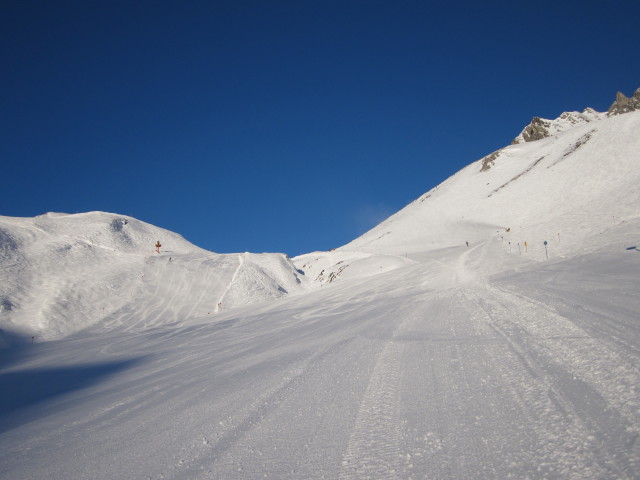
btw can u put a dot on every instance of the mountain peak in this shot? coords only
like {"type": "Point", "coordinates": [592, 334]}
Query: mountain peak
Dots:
{"type": "Point", "coordinates": [540, 128]}
{"type": "Point", "coordinates": [624, 104]}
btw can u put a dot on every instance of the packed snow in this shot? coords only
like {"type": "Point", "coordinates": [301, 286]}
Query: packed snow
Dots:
{"type": "Point", "coordinates": [448, 342]}
{"type": "Point", "coordinates": [63, 273]}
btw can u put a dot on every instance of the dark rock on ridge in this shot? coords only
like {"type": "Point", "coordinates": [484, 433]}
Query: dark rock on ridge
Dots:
{"type": "Point", "coordinates": [624, 104]}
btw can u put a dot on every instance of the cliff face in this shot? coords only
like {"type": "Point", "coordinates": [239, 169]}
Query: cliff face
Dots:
{"type": "Point", "coordinates": [537, 130]}
{"type": "Point", "coordinates": [624, 104]}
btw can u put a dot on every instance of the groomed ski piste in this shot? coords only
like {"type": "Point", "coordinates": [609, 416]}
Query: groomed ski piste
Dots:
{"type": "Point", "coordinates": [406, 354]}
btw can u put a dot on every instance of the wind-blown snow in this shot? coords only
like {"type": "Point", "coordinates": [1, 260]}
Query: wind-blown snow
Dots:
{"type": "Point", "coordinates": [404, 354]}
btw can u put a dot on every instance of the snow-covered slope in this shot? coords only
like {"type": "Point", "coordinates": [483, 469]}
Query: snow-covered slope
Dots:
{"type": "Point", "coordinates": [174, 288]}
{"type": "Point", "coordinates": [435, 370]}
{"type": "Point", "coordinates": [408, 354]}
{"type": "Point", "coordinates": [570, 189]}
{"type": "Point", "coordinates": [566, 189]}
{"type": "Point", "coordinates": [62, 273]}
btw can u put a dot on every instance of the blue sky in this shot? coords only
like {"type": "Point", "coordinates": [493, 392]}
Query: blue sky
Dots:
{"type": "Point", "coordinates": [287, 126]}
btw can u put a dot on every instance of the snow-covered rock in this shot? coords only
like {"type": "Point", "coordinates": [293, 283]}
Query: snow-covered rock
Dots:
{"type": "Point", "coordinates": [540, 128]}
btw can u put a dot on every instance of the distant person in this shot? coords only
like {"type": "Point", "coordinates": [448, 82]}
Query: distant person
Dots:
{"type": "Point", "coordinates": [467, 244]}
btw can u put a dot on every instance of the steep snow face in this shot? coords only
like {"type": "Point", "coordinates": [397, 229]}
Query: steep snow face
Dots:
{"type": "Point", "coordinates": [566, 190]}
{"type": "Point", "coordinates": [62, 273]}
{"type": "Point", "coordinates": [571, 190]}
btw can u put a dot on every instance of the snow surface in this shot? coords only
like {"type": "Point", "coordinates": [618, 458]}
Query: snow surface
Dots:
{"type": "Point", "coordinates": [579, 184]}
{"type": "Point", "coordinates": [404, 354]}
{"type": "Point", "coordinates": [64, 273]}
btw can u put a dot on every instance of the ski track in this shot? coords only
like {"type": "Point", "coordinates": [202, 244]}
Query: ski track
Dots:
{"type": "Point", "coordinates": [207, 279]}
{"type": "Point", "coordinates": [580, 394]}
{"type": "Point", "coordinates": [477, 379]}
{"type": "Point", "coordinates": [443, 351]}
{"type": "Point", "coordinates": [374, 448]}
{"type": "Point", "coordinates": [241, 260]}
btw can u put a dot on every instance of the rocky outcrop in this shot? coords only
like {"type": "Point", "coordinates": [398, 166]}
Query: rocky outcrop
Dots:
{"type": "Point", "coordinates": [540, 128]}
{"type": "Point", "coordinates": [624, 104]}
{"type": "Point", "coordinates": [536, 130]}
{"type": "Point", "coordinates": [489, 160]}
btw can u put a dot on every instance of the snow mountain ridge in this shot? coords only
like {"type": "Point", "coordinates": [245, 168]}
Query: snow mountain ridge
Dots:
{"type": "Point", "coordinates": [573, 188]}
{"type": "Point", "coordinates": [407, 353]}
{"type": "Point", "coordinates": [569, 182]}
{"type": "Point", "coordinates": [540, 128]}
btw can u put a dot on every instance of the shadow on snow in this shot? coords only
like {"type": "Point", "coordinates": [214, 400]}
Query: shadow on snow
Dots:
{"type": "Point", "coordinates": [28, 388]}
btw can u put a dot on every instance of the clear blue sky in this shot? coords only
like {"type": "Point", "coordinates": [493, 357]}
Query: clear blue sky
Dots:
{"type": "Point", "coordinates": [287, 126]}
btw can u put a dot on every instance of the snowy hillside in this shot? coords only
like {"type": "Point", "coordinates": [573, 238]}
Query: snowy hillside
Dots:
{"type": "Point", "coordinates": [577, 183]}
{"type": "Point", "coordinates": [571, 189]}
{"type": "Point", "coordinates": [406, 354]}
{"type": "Point", "coordinates": [62, 273]}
